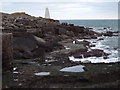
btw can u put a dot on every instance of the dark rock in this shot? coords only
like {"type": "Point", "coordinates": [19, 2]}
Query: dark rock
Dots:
{"type": "Point", "coordinates": [77, 55]}
{"type": "Point", "coordinates": [17, 54]}
{"type": "Point", "coordinates": [109, 28]}
{"type": "Point", "coordinates": [71, 24]}
{"type": "Point", "coordinates": [64, 37]}
{"type": "Point", "coordinates": [94, 52]}
{"type": "Point", "coordinates": [70, 33]}
{"type": "Point", "coordinates": [105, 57]}
{"type": "Point", "coordinates": [74, 49]}
{"type": "Point", "coordinates": [24, 43]}
{"type": "Point", "coordinates": [108, 33]}
{"type": "Point", "coordinates": [90, 28]}
{"type": "Point", "coordinates": [92, 45]}
{"type": "Point", "coordinates": [101, 39]}
{"type": "Point", "coordinates": [94, 37]}
{"type": "Point", "coordinates": [116, 32]}
{"type": "Point", "coordinates": [106, 54]}
{"type": "Point", "coordinates": [94, 42]}
{"type": "Point", "coordinates": [7, 49]}
{"type": "Point", "coordinates": [62, 31]}
{"type": "Point", "coordinates": [27, 54]}
{"type": "Point", "coordinates": [115, 48]}
{"type": "Point", "coordinates": [86, 43]}
{"type": "Point", "coordinates": [39, 52]}
{"type": "Point", "coordinates": [28, 47]}
{"type": "Point", "coordinates": [64, 24]}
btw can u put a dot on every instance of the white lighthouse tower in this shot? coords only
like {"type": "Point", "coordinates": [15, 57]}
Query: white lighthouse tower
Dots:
{"type": "Point", "coordinates": [47, 14]}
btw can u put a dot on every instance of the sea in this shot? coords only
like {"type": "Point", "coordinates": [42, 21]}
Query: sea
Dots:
{"type": "Point", "coordinates": [110, 45]}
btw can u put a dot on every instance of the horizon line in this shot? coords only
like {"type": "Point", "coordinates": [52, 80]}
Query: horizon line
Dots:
{"type": "Point", "coordinates": [92, 19]}
{"type": "Point", "coordinates": [64, 19]}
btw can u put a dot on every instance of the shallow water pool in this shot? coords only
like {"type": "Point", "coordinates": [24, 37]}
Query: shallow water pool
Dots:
{"type": "Point", "coordinates": [78, 68]}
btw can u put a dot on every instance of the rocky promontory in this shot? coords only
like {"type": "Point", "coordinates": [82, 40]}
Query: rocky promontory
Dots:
{"type": "Point", "coordinates": [40, 38]}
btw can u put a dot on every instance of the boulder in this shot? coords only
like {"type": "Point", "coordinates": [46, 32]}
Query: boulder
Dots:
{"type": "Point", "coordinates": [77, 55]}
{"type": "Point", "coordinates": [94, 52]}
{"type": "Point", "coordinates": [27, 54]}
{"type": "Point", "coordinates": [17, 54]}
{"type": "Point", "coordinates": [84, 42]}
{"type": "Point", "coordinates": [108, 33]}
{"type": "Point", "coordinates": [28, 47]}
{"type": "Point", "coordinates": [38, 52]}
{"type": "Point", "coordinates": [24, 43]}
{"type": "Point", "coordinates": [28, 43]}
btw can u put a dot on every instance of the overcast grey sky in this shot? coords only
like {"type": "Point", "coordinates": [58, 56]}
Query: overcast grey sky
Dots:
{"type": "Point", "coordinates": [65, 9]}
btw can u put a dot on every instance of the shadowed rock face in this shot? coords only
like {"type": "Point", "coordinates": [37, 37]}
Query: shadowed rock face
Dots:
{"type": "Point", "coordinates": [28, 47]}
{"type": "Point", "coordinates": [7, 50]}
{"type": "Point", "coordinates": [24, 44]}
{"type": "Point", "coordinates": [32, 46]}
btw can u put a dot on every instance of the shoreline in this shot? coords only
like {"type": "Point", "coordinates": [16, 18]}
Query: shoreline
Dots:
{"type": "Point", "coordinates": [42, 45]}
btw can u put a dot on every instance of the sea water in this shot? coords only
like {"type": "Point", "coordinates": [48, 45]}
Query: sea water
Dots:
{"type": "Point", "coordinates": [95, 23]}
{"type": "Point", "coordinates": [108, 44]}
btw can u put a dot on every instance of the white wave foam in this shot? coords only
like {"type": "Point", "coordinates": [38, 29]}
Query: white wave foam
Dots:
{"type": "Point", "coordinates": [102, 45]}
{"type": "Point", "coordinates": [95, 59]}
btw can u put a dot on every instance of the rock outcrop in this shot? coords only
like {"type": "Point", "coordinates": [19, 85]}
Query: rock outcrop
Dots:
{"type": "Point", "coordinates": [33, 37]}
{"type": "Point", "coordinates": [92, 53]}
{"type": "Point", "coordinates": [7, 50]}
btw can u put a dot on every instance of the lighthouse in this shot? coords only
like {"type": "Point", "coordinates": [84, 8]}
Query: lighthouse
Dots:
{"type": "Point", "coordinates": [47, 14]}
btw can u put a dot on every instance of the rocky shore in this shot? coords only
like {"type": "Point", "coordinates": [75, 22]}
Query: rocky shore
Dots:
{"type": "Point", "coordinates": [43, 42]}
{"type": "Point", "coordinates": [37, 37]}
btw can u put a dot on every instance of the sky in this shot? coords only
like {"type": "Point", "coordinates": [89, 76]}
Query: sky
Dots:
{"type": "Point", "coordinates": [64, 9]}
